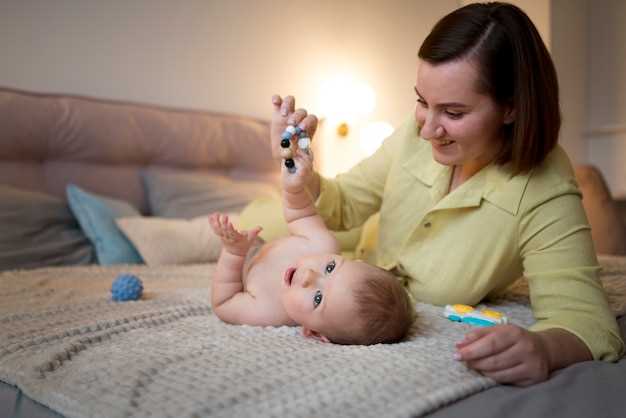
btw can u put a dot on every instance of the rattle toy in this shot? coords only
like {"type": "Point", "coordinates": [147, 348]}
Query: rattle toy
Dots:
{"type": "Point", "coordinates": [304, 143]}
{"type": "Point", "coordinates": [126, 287]}
{"type": "Point", "coordinates": [479, 316]}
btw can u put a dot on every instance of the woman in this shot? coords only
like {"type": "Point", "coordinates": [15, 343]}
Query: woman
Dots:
{"type": "Point", "coordinates": [474, 192]}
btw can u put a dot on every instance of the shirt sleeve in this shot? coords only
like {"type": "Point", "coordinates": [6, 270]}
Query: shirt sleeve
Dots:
{"type": "Point", "coordinates": [562, 270]}
{"type": "Point", "coordinates": [348, 200]}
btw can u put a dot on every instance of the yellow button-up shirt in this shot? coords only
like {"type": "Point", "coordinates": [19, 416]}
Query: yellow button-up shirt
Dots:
{"type": "Point", "coordinates": [473, 242]}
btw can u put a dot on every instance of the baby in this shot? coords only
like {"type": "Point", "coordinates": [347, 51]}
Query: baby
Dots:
{"type": "Point", "coordinates": [301, 279]}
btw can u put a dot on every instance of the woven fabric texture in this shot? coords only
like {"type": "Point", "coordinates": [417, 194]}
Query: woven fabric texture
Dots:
{"type": "Point", "coordinates": [67, 345]}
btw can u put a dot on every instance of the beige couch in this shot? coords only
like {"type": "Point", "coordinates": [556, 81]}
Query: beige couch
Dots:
{"type": "Point", "coordinates": [49, 141]}
{"type": "Point", "coordinates": [105, 147]}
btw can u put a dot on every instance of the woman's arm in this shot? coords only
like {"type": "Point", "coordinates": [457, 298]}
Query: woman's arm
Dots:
{"type": "Point", "coordinates": [574, 322]}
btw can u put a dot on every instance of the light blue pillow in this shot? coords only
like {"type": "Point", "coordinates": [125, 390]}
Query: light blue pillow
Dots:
{"type": "Point", "coordinates": [96, 216]}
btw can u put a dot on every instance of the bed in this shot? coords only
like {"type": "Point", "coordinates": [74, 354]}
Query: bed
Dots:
{"type": "Point", "coordinates": [92, 189]}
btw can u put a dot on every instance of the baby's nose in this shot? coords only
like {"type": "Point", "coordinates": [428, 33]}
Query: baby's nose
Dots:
{"type": "Point", "coordinates": [310, 277]}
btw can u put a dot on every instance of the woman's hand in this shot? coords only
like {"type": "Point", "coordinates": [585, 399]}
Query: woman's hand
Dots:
{"type": "Point", "coordinates": [285, 114]}
{"type": "Point", "coordinates": [507, 354]}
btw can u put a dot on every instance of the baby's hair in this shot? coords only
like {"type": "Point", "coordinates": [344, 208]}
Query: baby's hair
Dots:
{"type": "Point", "coordinates": [384, 309]}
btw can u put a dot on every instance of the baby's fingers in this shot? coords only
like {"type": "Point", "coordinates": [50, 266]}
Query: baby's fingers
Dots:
{"type": "Point", "coordinates": [288, 105]}
{"type": "Point", "coordinates": [215, 224]}
{"type": "Point", "coordinates": [253, 233]}
{"type": "Point", "coordinates": [230, 229]}
{"type": "Point", "coordinates": [309, 124]}
{"type": "Point", "coordinates": [276, 102]}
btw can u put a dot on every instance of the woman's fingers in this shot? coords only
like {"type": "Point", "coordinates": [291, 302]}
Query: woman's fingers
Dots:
{"type": "Point", "coordinates": [517, 374]}
{"type": "Point", "coordinates": [503, 360]}
{"type": "Point", "coordinates": [487, 341]}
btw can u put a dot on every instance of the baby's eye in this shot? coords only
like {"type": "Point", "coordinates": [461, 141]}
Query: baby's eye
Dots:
{"type": "Point", "coordinates": [317, 299]}
{"type": "Point", "coordinates": [330, 267]}
{"type": "Point", "coordinates": [422, 102]}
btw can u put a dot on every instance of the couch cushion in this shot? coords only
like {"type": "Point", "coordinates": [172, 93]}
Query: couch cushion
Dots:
{"type": "Point", "coordinates": [96, 216]}
{"type": "Point", "coordinates": [39, 230]}
{"type": "Point", "coordinates": [162, 241]}
{"type": "Point", "coordinates": [183, 194]}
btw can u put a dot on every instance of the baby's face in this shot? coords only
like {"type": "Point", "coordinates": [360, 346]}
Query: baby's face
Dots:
{"type": "Point", "coordinates": [318, 292]}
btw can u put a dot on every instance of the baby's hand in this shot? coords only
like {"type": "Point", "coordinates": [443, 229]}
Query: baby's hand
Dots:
{"type": "Point", "coordinates": [283, 115]}
{"type": "Point", "coordinates": [296, 179]}
{"type": "Point", "coordinates": [235, 242]}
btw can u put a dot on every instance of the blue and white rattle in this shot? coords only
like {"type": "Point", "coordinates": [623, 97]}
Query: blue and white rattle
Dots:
{"type": "Point", "coordinates": [304, 142]}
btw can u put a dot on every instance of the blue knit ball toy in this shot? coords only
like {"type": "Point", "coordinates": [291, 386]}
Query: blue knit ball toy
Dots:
{"type": "Point", "coordinates": [126, 287]}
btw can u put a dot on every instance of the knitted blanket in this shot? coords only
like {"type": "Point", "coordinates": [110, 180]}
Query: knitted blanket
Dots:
{"type": "Point", "coordinates": [65, 344]}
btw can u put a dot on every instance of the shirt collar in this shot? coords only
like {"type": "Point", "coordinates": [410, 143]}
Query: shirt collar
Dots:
{"type": "Point", "coordinates": [494, 183]}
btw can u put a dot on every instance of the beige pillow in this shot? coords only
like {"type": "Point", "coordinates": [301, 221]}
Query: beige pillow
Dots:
{"type": "Point", "coordinates": [162, 241]}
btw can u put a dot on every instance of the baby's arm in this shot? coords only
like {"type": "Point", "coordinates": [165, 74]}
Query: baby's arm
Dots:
{"type": "Point", "coordinates": [298, 205]}
{"type": "Point", "coordinates": [229, 301]}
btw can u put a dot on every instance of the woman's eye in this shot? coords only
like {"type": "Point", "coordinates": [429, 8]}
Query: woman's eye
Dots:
{"type": "Point", "coordinates": [317, 299]}
{"type": "Point", "coordinates": [330, 267]}
{"type": "Point", "coordinates": [454, 115]}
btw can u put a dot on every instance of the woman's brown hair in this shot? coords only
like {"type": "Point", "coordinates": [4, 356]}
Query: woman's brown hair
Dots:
{"type": "Point", "coordinates": [514, 68]}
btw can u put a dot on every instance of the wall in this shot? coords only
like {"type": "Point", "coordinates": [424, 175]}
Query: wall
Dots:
{"type": "Point", "coordinates": [233, 55]}
{"type": "Point", "coordinates": [606, 86]}
{"type": "Point", "coordinates": [568, 28]}
{"type": "Point", "coordinates": [225, 55]}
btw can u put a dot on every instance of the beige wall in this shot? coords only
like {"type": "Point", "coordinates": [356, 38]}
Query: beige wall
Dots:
{"type": "Point", "coordinates": [606, 85]}
{"type": "Point", "coordinates": [568, 27]}
{"type": "Point", "coordinates": [231, 55]}
{"type": "Point", "coordinates": [226, 55]}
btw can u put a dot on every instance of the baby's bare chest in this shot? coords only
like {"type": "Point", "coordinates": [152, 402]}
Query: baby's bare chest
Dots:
{"type": "Point", "coordinates": [267, 268]}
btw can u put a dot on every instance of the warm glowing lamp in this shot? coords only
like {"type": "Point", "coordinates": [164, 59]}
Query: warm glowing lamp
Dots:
{"type": "Point", "coordinates": [344, 100]}
{"type": "Point", "coordinates": [373, 135]}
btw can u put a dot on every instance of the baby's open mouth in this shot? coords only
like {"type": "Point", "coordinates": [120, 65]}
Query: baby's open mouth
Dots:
{"type": "Point", "coordinates": [289, 273]}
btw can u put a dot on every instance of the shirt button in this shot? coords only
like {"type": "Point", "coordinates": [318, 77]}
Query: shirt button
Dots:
{"type": "Point", "coordinates": [427, 224]}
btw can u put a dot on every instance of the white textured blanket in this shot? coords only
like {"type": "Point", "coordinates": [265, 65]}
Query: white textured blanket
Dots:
{"type": "Point", "coordinates": [66, 345]}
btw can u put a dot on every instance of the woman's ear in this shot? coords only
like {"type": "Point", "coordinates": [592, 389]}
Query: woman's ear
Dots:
{"type": "Point", "coordinates": [309, 333]}
{"type": "Point", "coordinates": [509, 115]}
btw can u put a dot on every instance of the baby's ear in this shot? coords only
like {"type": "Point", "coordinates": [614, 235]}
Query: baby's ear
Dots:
{"type": "Point", "coordinates": [309, 333]}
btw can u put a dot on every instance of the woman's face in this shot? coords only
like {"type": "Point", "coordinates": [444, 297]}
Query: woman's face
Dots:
{"type": "Point", "coordinates": [462, 125]}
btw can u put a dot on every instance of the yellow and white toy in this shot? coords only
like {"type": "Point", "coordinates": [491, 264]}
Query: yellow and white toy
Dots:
{"type": "Point", "coordinates": [480, 316]}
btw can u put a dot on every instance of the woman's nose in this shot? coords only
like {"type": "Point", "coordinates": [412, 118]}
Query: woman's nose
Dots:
{"type": "Point", "coordinates": [429, 128]}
